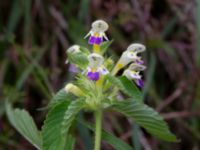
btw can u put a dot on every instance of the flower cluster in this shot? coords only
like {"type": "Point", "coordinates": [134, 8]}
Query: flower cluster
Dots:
{"type": "Point", "coordinates": [96, 67]}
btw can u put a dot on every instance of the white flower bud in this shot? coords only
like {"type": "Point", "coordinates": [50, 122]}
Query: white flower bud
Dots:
{"type": "Point", "coordinates": [71, 88]}
{"type": "Point", "coordinates": [73, 49]}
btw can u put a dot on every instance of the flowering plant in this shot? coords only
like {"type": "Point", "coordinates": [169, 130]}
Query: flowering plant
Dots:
{"type": "Point", "coordinates": [100, 85]}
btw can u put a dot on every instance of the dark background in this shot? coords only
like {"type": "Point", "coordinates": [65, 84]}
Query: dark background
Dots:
{"type": "Point", "coordinates": [34, 35]}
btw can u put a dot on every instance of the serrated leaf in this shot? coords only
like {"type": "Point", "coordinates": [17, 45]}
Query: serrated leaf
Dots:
{"type": "Point", "coordinates": [131, 88]}
{"type": "Point", "coordinates": [51, 130]}
{"type": "Point", "coordinates": [116, 142]}
{"type": "Point", "coordinates": [70, 142]}
{"type": "Point", "coordinates": [146, 117]}
{"type": "Point", "coordinates": [70, 115]}
{"type": "Point", "coordinates": [79, 59]}
{"type": "Point", "coordinates": [61, 95]}
{"type": "Point", "coordinates": [126, 86]}
{"type": "Point", "coordinates": [24, 124]}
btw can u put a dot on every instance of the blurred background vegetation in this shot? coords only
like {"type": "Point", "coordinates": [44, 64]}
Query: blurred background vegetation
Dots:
{"type": "Point", "coordinates": [35, 34]}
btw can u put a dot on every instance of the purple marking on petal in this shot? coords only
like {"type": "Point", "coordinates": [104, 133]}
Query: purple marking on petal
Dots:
{"type": "Point", "coordinates": [98, 40]}
{"type": "Point", "coordinates": [140, 83]}
{"type": "Point", "coordinates": [73, 68]}
{"type": "Point", "coordinates": [141, 62]}
{"type": "Point", "coordinates": [91, 40]}
{"type": "Point", "coordinates": [93, 76]}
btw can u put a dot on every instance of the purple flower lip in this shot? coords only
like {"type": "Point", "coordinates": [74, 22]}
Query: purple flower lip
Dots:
{"type": "Point", "coordinates": [94, 76]}
{"type": "Point", "coordinates": [95, 40]}
{"type": "Point", "coordinates": [140, 83]}
{"type": "Point", "coordinates": [141, 62]}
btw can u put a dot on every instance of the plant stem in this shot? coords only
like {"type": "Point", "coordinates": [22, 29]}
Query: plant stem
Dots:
{"type": "Point", "coordinates": [98, 123]}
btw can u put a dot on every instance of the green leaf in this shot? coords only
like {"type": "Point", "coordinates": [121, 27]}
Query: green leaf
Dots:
{"type": "Point", "coordinates": [117, 143]}
{"type": "Point", "coordinates": [131, 88]}
{"type": "Point", "coordinates": [51, 130]}
{"type": "Point", "coordinates": [79, 59]}
{"type": "Point", "coordinates": [85, 50]}
{"type": "Point", "coordinates": [126, 86]}
{"type": "Point", "coordinates": [24, 124]}
{"type": "Point", "coordinates": [70, 115]}
{"type": "Point", "coordinates": [145, 117]}
{"type": "Point", "coordinates": [61, 95]}
{"type": "Point", "coordinates": [70, 142]}
{"type": "Point", "coordinates": [104, 46]}
{"type": "Point", "coordinates": [14, 18]}
{"type": "Point", "coordinates": [84, 133]}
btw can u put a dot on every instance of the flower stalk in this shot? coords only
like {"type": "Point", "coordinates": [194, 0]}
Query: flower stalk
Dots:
{"type": "Point", "coordinates": [98, 128]}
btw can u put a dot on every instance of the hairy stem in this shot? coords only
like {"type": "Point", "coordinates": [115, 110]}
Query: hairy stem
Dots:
{"type": "Point", "coordinates": [98, 123]}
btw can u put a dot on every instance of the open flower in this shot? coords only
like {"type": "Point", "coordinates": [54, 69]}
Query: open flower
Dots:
{"type": "Point", "coordinates": [95, 68]}
{"type": "Point", "coordinates": [97, 33]}
{"type": "Point", "coordinates": [133, 73]}
{"type": "Point", "coordinates": [130, 55]}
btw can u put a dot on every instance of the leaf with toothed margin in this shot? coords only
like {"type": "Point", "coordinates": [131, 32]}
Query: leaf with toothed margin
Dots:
{"type": "Point", "coordinates": [146, 117]}
{"type": "Point", "coordinates": [24, 124]}
{"type": "Point", "coordinates": [51, 130]}
{"type": "Point", "coordinates": [70, 115]}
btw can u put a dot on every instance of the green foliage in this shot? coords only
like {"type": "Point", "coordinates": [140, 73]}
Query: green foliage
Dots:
{"type": "Point", "coordinates": [70, 115]}
{"type": "Point", "coordinates": [51, 130]}
{"type": "Point", "coordinates": [70, 142]}
{"type": "Point", "coordinates": [58, 121]}
{"type": "Point", "coordinates": [126, 86]}
{"type": "Point", "coordinates": [24, 124]}
{"type": "Point", "coordinates": [61, 95]}
{"type": "Point", "coordinates": [105, 45]}
{"type": "Point", "coordinates": [131, 88]}
{"type": "Point", "coordinates": [84, 50]}
{"type": "Point", "coordinates": [79, 59]}
{"type": "Point", "coordinates": [145, 117]}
